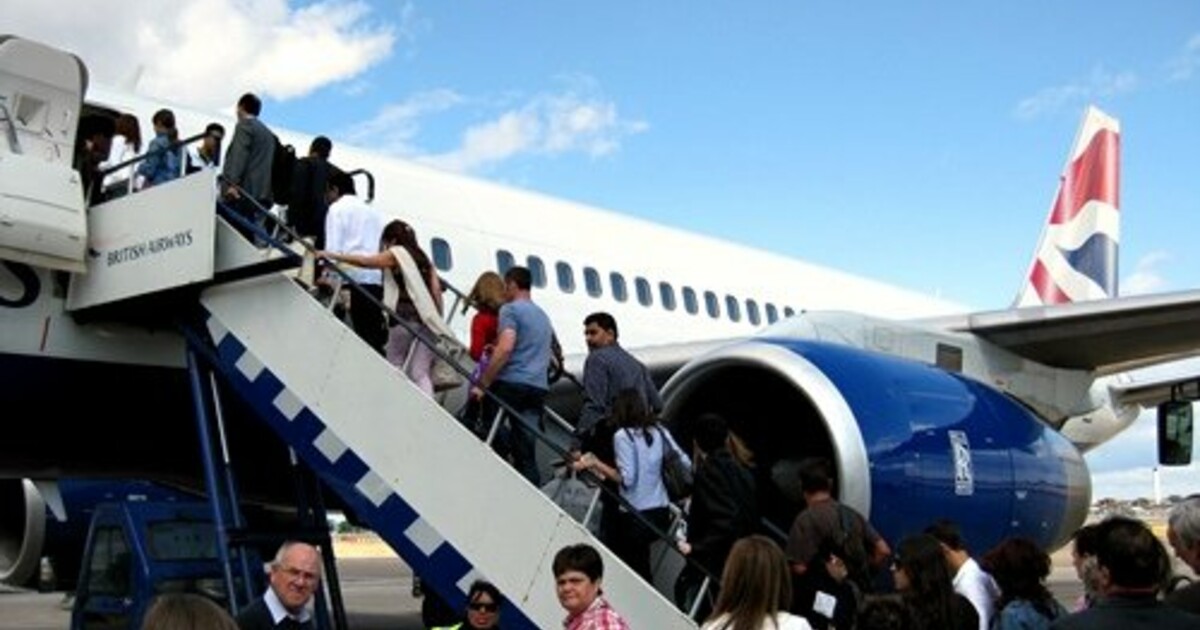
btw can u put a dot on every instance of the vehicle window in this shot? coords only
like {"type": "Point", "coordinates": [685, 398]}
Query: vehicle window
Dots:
{"type": "Point", "coordinates": [644, 295]}
{"type": "Point", "coordinates": [689, 301]}
{"type": "Point", "coordinates": [752, 312]}
{"type": "Point", "coordinates": [537, 270]}
{"type": "Point", "coordinates": [733, 308]}
{"type": "Point", "coordinates": [181, 540]}
{"type": "Point", "coordinates": [666, 295]}
{"type": "Point", "coordinates": [712, 304]}
{"type": "Point", "coordinates": [442, 257]}
{"type": "Point", "coordinates": [620, 292]}
{"type": "Point", "coordinates": [772, 313]}
{"type": "Point", "coordinates": [111, 564]}
{"type": "Point", "coordinates": [504, 261]}
{"type": "Point", "coordinates": [591, 280]}
{"type": "Point", "coordinates": [566, 277]}
{"type": "Point", "coordinates": [788, 311]}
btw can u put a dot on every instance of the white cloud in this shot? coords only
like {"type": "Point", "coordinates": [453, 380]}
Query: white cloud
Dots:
{"type": "Point", "coordinates": [395, 127]}
{"type": "Point", "coordinates": [1146, 277]}
{"type": "Point", "coordinates": [1099, 83]}
{"type": "Point", "coordinates": [576, 119]}
{"type": "Point", "coordinates": [549, 124]}
{"type": "Point", "coordinates": [206, 52]}
{"type": "Point", "coordinates": [1182, 67]}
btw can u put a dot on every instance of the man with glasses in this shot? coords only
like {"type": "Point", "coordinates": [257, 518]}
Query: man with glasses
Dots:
{"type": "Point", "coordinates": [294, 576]}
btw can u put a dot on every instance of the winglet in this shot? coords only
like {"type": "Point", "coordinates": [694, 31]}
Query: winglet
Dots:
{"type": "Point", "coordinates": [1076, 259]}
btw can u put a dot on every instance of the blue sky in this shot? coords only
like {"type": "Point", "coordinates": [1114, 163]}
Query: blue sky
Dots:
{"type": "Point", "coordinates": [918, 143]}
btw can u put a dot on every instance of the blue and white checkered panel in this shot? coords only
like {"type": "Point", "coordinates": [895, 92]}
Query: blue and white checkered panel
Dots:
{"type": "Point", "coordinates": [364, 490]}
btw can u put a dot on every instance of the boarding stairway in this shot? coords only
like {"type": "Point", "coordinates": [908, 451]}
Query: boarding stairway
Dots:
{"type": "Point", "coordinates": [438, 495]}
{"type": "Point", "coordinates": [451, 508]}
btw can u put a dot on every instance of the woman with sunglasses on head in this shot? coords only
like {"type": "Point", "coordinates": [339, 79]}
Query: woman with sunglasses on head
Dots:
{"type": "Point", "coordinates": [483, 607]}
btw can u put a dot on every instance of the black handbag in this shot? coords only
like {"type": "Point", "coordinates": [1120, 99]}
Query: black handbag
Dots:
{"type": "Point", "coordinates": [676, 476]}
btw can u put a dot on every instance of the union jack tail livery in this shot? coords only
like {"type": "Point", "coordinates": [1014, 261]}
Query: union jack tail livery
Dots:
{"type": "Point", "coordinates": [1076, 259]}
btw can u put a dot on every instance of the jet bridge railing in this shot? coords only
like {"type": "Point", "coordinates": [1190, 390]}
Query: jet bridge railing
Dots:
{"type": "Point", "coordinates": [504, 409]}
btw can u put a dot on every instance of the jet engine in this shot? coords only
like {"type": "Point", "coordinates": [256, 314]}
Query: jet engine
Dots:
{"type": "Point", "coordinates": [911, 443]}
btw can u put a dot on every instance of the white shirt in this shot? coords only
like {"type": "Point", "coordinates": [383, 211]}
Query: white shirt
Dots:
{"type": "Point", "coordinates": [979, 588]}
{"type": "Point", "coordinates": [119, 150]}
{"type": "Point", "coordinates": [278, 612]}
{"type": "Point", "coordinates": [353, 227]}
{"type": "Point", "coordinates": [783, 621]}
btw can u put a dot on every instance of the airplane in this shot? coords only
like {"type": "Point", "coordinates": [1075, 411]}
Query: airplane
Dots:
{"type": "Point", "coordinates": [926, 410]}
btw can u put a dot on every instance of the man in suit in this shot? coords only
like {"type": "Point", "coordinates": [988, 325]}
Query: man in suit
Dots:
{"type": "Point", "coordinates": [294, 575]}
{"type": "Point", "coordinates": [248, 163]}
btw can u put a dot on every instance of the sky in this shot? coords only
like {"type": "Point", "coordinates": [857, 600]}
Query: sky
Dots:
{"type": "Point", "coordinates": [917, 143]}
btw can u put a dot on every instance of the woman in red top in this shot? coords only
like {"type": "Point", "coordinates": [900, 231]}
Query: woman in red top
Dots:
{"type": "Point", "coordinates": [486, 296]}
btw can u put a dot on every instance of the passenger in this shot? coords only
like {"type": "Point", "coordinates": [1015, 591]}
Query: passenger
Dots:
{"type": "Point", "coordinates": [1132, 566]}
{"type": "Point", "coordinates": [969, 580]}
{"type": "Point", "coordinates": [607, 370]}
{"type": "Point", "coordinates": [826, 523]}
{"type": "Point", "coordinates": [307, 205]}
{"type": "Point", "coordinates": [126, 145]}
{"type": "Point", "coordinates": [483, 607]}
{"type": "Point", "coordinates": [421, 292]}
{"type": "Point", "coordinates": [1183, 533]}
{"type": "Point", "coordinates": [517, 371]}
{"type": "Point", "coordinates": [248, 163]}
{"type": "Point", "coordinates": [186, 611]}
{"type": "Point", "coordinates": [354, 227]}
{"type": "Point", "coordinates": [723, 508]}
{"type": "Point", "coordinates": [487, 296]}
{"type": "Point", "coordinates": [640, 444]}
{"type": "Point", "coordinates": [578, 577]}
{"type": "Point", "coordinates": [95, 142]}
{"type": "Point", "coordinates": [161, 164]}
{"type": "Point", "coordinates": [207, 153]}
{"type": "Point", "coordinates": [1083, 555]}
{"type": "Point", "coordinates": [1020, 568]}
{"type": "Point", "coordinates": [294, 575]}
{"type": "Point", "coordinates": [922, 578]}
{"type": "Point", "coordinates": [756, 589]}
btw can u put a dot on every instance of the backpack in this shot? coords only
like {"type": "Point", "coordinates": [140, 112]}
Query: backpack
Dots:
{"type": "Point", "coordinates": [282, 166]}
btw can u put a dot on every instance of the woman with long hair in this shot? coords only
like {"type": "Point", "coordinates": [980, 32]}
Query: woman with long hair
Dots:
{"type": "Point", "coordinates": [756, 589]}
{"type": "Point", "coordinates": [402, 339]}
{"type": "Point", "coordinates": [923, 579]}
{"type": "Point", "coordinates": [162, 162]}
{"type": "Point", "coordinates": [126, 145]}
{"type": "Point", "coordinates": [1020, 568]}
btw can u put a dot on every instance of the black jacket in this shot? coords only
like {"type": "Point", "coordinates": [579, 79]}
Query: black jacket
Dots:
{"type": "Point", "coordinates": [723, 509]}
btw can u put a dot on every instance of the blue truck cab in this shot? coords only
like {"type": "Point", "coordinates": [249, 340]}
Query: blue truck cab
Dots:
{"type": "Point", "coordinates": [138, 550]}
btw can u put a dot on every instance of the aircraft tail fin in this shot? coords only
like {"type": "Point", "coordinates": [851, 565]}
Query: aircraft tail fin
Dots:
{"type": "Point", "coordinates": [1076, 259]}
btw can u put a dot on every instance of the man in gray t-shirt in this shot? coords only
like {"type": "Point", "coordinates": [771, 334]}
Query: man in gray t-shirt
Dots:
{"type": "Point", "coordinates": [518, 367]}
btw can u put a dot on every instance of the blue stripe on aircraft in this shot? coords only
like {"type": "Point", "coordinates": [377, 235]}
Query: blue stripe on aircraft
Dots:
{"type": "Point", "coordinates": [392, 519]}
{"type": "Point", "coordinates": [1096, 259]}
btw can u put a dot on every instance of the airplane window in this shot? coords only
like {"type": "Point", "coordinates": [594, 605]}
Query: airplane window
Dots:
{"type": "Point", "coordinates": [566, 277]}
{"type": "Point", "coordinates": [504, 261]}
{"type": "Point", "coordinates": [712, 304]}
{"type": "Point", "coordinates": [619, 291]}
{"type": "Point", "coordinates": [442, 258]}
{"type": "Point", "coordinates": [788, 311]}
{"type": "Point", "coordinates": [732, 308]}
{"type": "Point", "coordinates": [772, 313]}
{"type": "Point", "coordinates": [591, 280]}
{"type": "Point", "coordinates": [666, 295]}
{"type": "Point", "coordinates": [645, 296]}
{"type": "Point", "coordinates": [537, 270]}
{"type": "Point", "coordinates": [689, 301]}
{"type": "Point", "coordinates": [752, 312]}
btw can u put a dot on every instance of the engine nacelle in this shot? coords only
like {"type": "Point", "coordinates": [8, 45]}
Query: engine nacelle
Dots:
{"type": "Point", "coordinates": [911, 443]}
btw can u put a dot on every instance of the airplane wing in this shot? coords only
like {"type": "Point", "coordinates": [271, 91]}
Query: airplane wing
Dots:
{"type": "Point", "coordinates": [1106, 336]}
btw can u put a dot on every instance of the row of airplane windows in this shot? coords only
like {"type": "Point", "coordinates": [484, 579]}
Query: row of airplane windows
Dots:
{"type": "Point", "coordinates": [644, 292]}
